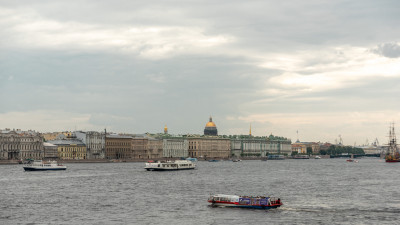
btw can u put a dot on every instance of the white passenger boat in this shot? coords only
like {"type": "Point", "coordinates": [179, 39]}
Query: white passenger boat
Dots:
{"type": "Point", "coordinates": [39, 165]}
{"type": "Point", "coordinates": [170, 165]}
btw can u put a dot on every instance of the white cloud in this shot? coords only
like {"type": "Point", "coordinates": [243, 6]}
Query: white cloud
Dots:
{"type": "Point", "coordinates": [327, 70]}
{"type": "Point", "coordinates": [29, 30]}
{"type": "Point", "coordinates": [44, 120]}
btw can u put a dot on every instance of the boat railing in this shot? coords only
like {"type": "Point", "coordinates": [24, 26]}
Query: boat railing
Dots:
{"type": "Point", "coordinates": [274, 201]}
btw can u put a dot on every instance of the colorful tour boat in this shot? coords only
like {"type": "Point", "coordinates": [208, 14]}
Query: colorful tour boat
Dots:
{"type": "Point", "coordinates": [255, 202]}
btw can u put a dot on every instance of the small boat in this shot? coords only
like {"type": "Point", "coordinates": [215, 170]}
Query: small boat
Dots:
{"type": "Point", "coordinates": [317, 157]}
{"type": "Point", "coordinates": [259, 202]}
{"type": "Point", "coordinates": [170, 165]}
{"type": "Point", "coordinates": [191, 159]}
{"type": "Point", "coordinates": [351, 159]}
{"type": "Point", "coordinates": [213, 160]}
{"type": "Point", "coordinates": [276, 157]}
{"type": "Point", "coordinates": [301, 157]}
{"type": "Point", "coordinates": [39, 165]}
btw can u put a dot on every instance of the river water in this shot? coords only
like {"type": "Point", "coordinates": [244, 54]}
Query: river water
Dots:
{"type": "Point", "coordinates": [323, 191]}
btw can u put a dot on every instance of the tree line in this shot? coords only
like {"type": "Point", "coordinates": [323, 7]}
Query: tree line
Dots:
{"type": "Point", "coordinates": [339, 150]}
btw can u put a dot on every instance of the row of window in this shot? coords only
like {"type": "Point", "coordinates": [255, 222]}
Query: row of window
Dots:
{"type": "Point", "coordinates": [20, 147]}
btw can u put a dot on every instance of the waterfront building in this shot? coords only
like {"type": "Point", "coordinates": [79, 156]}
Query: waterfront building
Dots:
{"type": "Point", "coordinates": [211, 128]}
{"type": "Point", "coordinates": [70, 148]}
{"type": "Point", "coordinates": [324, 146]}
{"type": "Point", "coordinates": [248, 146]}
{"type": "Point", "coordinates": [118, 146]}
{"type": "Point", "coordinates": [373, 150]}
{"type": "Point", "coordinates": [50, 151]}
{"type": "Point", "coordinates": [175, 147]}
{"type": "Point", "coordinates": [251, 146]}
{"type": "Point", "coordinates": [155, 148]}
{"type": "Point", "coordinates": [301, 147]}
{"type": "Point", "coordinates": [146, 147]}
{"type": "Point", "coordinates": [95, 143]}
{"type": "Point", "coordinates": [279, 145]}
{"type": "Point", "coordinates": [209, 147]}
{"type": "Point", "coordinates": [18, 145]}
{"type": "Point", "coordinates": [139, 147]}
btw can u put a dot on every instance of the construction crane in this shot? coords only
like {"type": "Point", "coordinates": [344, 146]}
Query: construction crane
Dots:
{"type": "Point", "coordinates": [376, 142]}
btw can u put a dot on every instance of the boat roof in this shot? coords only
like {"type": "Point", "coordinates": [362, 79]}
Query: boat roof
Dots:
{"type": "Point", "coordinates": [226, 196]}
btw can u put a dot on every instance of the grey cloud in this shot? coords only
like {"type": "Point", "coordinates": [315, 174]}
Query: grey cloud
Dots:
{"type": "Point", "coordinates": [184, 89]}
{"type": "Point", "coordinates": [390, 50]}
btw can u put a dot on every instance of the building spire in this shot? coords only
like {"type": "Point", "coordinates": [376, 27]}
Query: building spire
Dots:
{"type": "Point", "coordinates": [250, 130]}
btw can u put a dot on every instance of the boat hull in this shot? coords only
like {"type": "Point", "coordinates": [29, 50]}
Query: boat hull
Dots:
{"type": "Point", "coordinates": [235, 205]}
{"type": "Point", "coordinates": [43, 169]}
{"type": "Point", "coordinates": [392, 161]}
{"type": "Point", "coordinates": [167, 169]}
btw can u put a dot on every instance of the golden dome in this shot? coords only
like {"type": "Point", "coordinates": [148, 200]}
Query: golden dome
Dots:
{"type": "Point", "coordinates": [165, 129]}
{"type": "Point", "coordinates": [211, 123]}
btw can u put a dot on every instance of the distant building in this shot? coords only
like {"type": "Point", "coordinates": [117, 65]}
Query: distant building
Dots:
{"type": "Point", "coordinates": [301, 147]}
{"type": "Point", "coordinates": [70, 148]}
{"type": "Point", "coordinates": [155, 148]}
{"type": "Point", "coordinates": [175, 147]}
{"type": "Point", "coordinates": [118, 146]}
{"type": "Point", "coordinates": [95, 143]}
{"type": "Point", "coordinates": [139, 147]}
{"type": "Point", "coordinates": [324, 146]}
{"type": "Point", "coordinates": [211, 128]}
{"type": "Point", "coordinates": [17, 144]}
{"type": "Point", "coordinates": [209, 147]}
{"type": "Point", "coordinates": [373, 150]}
{"type": "Point", "coordinates": [57, 135]}
{"type": "Point", "coordinates": [249, 146]}
{"type": "Point", "coordinates": [50, 151]}
{"type": "Point", "coordinates": [145, 147]}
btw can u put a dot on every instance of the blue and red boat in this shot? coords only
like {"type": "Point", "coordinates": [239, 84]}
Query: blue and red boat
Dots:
{"type": "Point", "coordinates": [254, 202]}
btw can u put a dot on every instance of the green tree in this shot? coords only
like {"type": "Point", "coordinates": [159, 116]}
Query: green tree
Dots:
{"type": "Point", "coordinates": [309, 150]}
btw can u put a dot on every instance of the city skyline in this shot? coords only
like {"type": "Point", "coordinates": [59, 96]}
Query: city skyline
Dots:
{"type": "Point", "coordinates": [321, 68]}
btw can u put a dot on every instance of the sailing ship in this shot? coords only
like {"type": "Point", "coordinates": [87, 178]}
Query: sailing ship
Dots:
{"type": "Point", "coordinates": [392, 153]}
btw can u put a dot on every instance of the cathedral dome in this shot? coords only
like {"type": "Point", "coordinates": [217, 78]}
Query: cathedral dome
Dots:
{"type": "Point", "coordinates": [211, 128]}
{"type": "Point", "coordinates": [210, 124]}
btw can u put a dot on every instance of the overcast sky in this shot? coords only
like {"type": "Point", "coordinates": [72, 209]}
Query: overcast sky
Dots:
{"type": "Point", "coordinates": [322, 68]}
